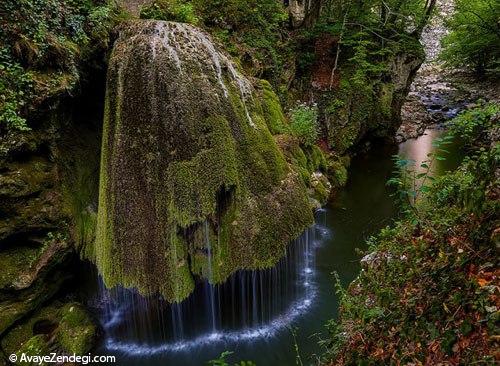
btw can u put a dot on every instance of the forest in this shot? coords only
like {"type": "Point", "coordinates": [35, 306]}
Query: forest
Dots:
{"type": "Point", "coordinates": [249, 182]}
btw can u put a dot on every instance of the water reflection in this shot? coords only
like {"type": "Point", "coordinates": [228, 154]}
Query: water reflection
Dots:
{"type": "Point", "coordinates": [419, 149]}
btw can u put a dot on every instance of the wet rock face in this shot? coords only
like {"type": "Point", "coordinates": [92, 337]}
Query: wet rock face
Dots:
{"type": "Point", "coordinates": [29, 202]}
{"type": "Point", "coordinates": [351, 114]}
{"type": "Point", "coordinates": [32, 267]}
{"type": "Point", "coordinates": [192, 182]}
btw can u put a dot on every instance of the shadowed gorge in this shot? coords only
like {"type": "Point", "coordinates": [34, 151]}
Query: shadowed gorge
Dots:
{"type": "Point", "coordinates": [187, 155]}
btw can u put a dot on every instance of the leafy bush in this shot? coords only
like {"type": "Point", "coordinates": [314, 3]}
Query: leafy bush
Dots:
{"type": "Point", "coordinates": [174, 10]}
{"type": "Point", "coordinates": [304, 124]}
{"type": "Point", "coordinates": [473, 123]}
{"type": "Point", "coordinates": [474, 38]}
{"type": "Point", "coordinates": [14, 84]}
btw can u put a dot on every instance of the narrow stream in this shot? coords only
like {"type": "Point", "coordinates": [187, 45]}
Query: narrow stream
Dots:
{"type": "Point", "coordinates": [253, 314]}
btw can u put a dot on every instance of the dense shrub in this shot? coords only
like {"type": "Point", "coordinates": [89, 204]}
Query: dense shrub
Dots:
{"type": "Point", "coordinates": [474, 38]}
{"type": "Point", "coordinates": [173, 10]}
{"type": "Point", "coordinates": [304, 124]}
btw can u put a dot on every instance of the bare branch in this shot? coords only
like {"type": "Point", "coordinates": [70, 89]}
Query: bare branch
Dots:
{"type": "Point", "coordinates": [338, 49]}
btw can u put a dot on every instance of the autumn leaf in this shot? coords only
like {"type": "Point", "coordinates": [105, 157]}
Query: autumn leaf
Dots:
{"type": "Point", "coordinates": [482, 282]}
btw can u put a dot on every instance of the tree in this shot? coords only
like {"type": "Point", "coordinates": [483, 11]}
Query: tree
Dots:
{"type": "Point", "coordinates": [474, 38]}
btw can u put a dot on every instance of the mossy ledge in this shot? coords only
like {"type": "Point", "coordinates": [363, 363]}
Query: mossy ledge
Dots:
{"type": "Point", "coordinates": [192, 183]}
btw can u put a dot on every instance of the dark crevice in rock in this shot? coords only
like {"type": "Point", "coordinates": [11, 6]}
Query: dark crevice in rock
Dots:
{"type": "Point", "coordinates": [44, 326]}
{"type": "Point", "coordinates": [30, 239]}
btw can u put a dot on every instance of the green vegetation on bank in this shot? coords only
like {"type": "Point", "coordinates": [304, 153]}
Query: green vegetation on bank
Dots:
{"type": "Point", "coordinates": [304, 124]}
{"type": "Point", "coordinates": [43, 45]}
{"type": "Point", "coordinates": [428, 292]}
{"type": "Point", "coordinates": [474, 38]}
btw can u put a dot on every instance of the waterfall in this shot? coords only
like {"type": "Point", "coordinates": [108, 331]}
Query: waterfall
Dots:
{"type": "Point", "coordinates": [249, 305]}
{"type": "Point", "coordinates": [186, 154]}
{"type": "Point", "coordinates": [210, 288]}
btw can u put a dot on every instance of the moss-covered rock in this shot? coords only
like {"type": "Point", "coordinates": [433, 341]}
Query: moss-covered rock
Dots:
{"type": "Point", "coordinates": [273, 112]}
{"type": "Point", "coordinates": [35, 346]}
{"type": "Point", "coordinates": [358, 110]}
{"type": "Point", "coordinates": [192, 181]}
{"type": "Point", "coordinates": [32, 273]}
{"type": "Point", "coordinates": [65, 328]}
{"type": "Point", "coordinates": [312, 164]}
{"type": "Point", "coordinates": [76, 332]}
{"type": "Point", "coordinates": [42, 324]}
{"type": "Point", "coordinates": [337, 172]}
{"type": "Point", "coordinates": [28, 199]}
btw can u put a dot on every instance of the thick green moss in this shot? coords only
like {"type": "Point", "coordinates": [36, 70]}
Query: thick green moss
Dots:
{"type": "Point", "coordinates": [67, 327]}
{"type": "Point", "coordinates": [15, 340]}
{"type": "Point", "coordinates": [337, 172]}
{"type": "Point", "coordinates": [192, 181]}
{"type": "Point", "coordinates": [316, 158]}
{"type": "Point", "coordinates": [76, 332]}
{"type": "Point", "coordinates": [35, 346]}
{"type": "Point", "coordinates": [273, 112]}
{"type": "Point", "coordinates": [311, 165]}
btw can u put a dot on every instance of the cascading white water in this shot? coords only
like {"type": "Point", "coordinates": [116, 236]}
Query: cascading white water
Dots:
{"type": "Point", "coordinates": [209, 287]}
{"type": "Point", "coordinates": [250, 305]}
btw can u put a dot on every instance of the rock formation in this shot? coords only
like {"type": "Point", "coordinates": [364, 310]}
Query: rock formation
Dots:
{"type": "Point", "coordinates": [192, 183]}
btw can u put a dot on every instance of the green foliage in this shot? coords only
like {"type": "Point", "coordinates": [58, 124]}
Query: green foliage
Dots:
{"type": "Point", "coordinates": [255, 31]}
{"type": "Point", "coordinates": [412, 183]}
{"type": "Point", "coordinates": [367, 57]}
{"type": "Point", "coordinates": [174, 10]}
{"type": "Point", "coordinates": [304, 124]}
{"type": "Point", "coordinates": [370, 32]}
{"type": "Point", "coordinates": [471, 125]}
{"type": "Point", "coordinates": [221, 361]}
{"type": "Point", "coordinates": [15, 83]}
{"type": "Point", "coordinates": [42, 45]}
{"type": "Point", "coordinates": [474, 38]}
